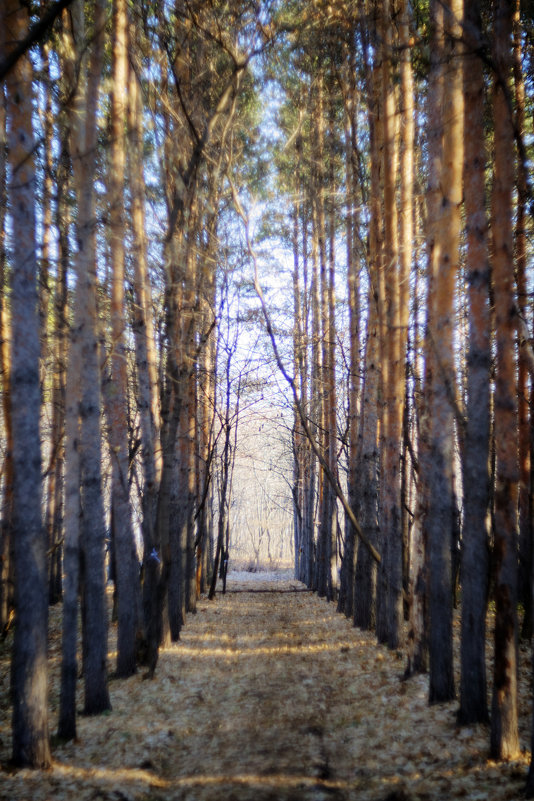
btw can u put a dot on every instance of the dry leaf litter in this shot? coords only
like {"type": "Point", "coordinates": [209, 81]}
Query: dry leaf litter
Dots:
{"type": "Point", "coordinates": [267, 696]}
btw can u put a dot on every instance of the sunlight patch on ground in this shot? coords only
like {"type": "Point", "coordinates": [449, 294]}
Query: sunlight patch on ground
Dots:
{"type": "Point", "coordinates": [320, 713]}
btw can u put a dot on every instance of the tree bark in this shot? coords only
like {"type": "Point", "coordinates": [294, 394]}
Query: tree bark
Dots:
{"type": "Point", "coordinates": [440, 514]}
{"type": "Point", "coordinates": [145, 359]}
{"type": "Point", "coordinates": [394, 387]}
{"type": "Point", "coordinates": [475, 541]}
{"type": "Point", "coordinates": [126, 563]}
{"type": "Point", "coordinates": [83, 119]}
{"type": "Point", "coordinates": [504, 722]}
{"type": "Point", "coordinates": [29, 677]}
{"type": "Point", "coordinates": [6, 539]}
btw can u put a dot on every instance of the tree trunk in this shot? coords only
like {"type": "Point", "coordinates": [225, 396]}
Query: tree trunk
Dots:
{"type": "Point", "coordinates": [84, 140]}
{"type": "Point", "coordinates": [126, 564]}
{"type": "Point", "coordinates": [520, 237]}
{"type": "Point", "coordinates": [29, 678]}
{"type": "Point", "coordinates": [440, 514]}
{"type": "Point", "coordinates": [394, 386]}
{"type": "Point", "coordinates": [365, 578]}
{"type": "Point", "coordinates": [475, 542]}
{"type": "Point", "coordinates": [6, 539]}
{"type": "Point", "coordinates": [145, 357]}
{"type": "Point", "coordinates": [504, 723]}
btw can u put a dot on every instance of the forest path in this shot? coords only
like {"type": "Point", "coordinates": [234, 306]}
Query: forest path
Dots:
{"type": "Point", "coordinates": [268, 697]}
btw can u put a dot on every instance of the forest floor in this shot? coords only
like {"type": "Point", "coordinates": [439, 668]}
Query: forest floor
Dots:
{"type": "Point", "coordinates": [269, 696]}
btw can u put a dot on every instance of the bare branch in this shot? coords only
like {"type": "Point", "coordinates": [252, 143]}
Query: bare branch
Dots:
{"type": "Point", "coordinates": [291, 381]}
{"type": "Point", "coordinates": [35, 34]}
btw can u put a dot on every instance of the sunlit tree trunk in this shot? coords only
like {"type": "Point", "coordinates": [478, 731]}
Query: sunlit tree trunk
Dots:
{"type": "Point", "coordinates": [309, 461]}
{"type": "Point", "coordinates": [475, 543]}
{"type": "Point", "coordinates": [504, 721]}
{"type": "Point", "coordinates": [6, 565]}
{"type": "Point", "coordinates": [365, 573]}
{"type": "Point", "coordinates": [330, 387]}
{"type": "Point", "coordinates": [63, 223]}
{"type": "Point", "coordinates": [126, 567]}
{"type": "Point", "coordinates": [29, 680]}
{"type": "Point", "coordinates": [324, 536]}
{"type": "Point", "coordinates": [391, 566]}
{"type": "Point", "coordinates": [419, 562]}
{"type": "Point", "coordinates": [406, 253]}
{"type": "Point", "coordinates": [206, 401]}
{"type": "Point", "coordinates": [365, 578]}
{"type": "Point", "coordinates": [50, 369]}
{"type": "Point", "coordinates": [441, 326]}
{"type": "Point", "coordinates": [145, 355]}
{"type": "Point", "coordinates": [298, 437]}
{"type": "Point", "coordinates": [346, 595]}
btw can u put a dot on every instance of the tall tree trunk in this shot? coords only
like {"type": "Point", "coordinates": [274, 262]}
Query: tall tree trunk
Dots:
{"type": "Point", "coordinates": [29, 660]}
{"type": "Point", "coordinates": [520, 237]}
{"type": "Point", "coordinates": [298, 437]}
{"type": "Point", "coordinates": [315, 406]}
{"type": "Point", "coordinates": [84, 141]}
{"type": "Point", "coordinates": [330, 388]}
{"type": "Point", "coordinates": [365, 578]}
{"type": "Point", "coordinates": [145, 358]}
{"type": "Point", "coordinates": [324, 540]}
{"type": "Point", "coordinates": [6, 540]}
{"type": "Point", "coordinates": [394, 388]}
{"type": "Point", "coordinates": [475, 541]}
{"type": "Point", "coordinates": [71, 60]}
{"type": "Point", "coordinates": [71, 564]}
{"type": "Point", "coordinates": [440, 515]}
{"type": "Point", "coordinates": [366, 570]}
{"type": "Point", "coordinates": [406, 253]}
{"type": "Point", "coordinates": [126, 566]}
{"type": "Point", "coordinates": [206, 415]}
{"type": "Point", "coordinates": [50, 376]}
{"type": "Point", "coordinates": [504, 722]}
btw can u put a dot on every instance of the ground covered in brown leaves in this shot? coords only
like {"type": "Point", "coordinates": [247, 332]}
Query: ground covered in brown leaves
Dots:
{"type": "Point", "coordinates": [269, 695]}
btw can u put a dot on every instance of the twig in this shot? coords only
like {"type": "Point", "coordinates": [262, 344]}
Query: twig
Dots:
{"type": "Point", "coordinates": [322, 461]}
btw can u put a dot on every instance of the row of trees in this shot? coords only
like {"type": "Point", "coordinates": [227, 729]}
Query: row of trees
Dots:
{"type": "Point", "coordinates": [119, 123]}
{"type": "Point", "coordinates": [398, 165]}
{"type": "Point", "coordinates": [406, 130]}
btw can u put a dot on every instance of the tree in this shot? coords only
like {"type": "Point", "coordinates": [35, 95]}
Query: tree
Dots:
{"type": "Point", "coordinates": [389, 620]}
{"type": "Point", "coordinates": [126, 563]}
{"type": "Point", "coordinates": [476, 480]}
{"type": "Point", "coordinates": [6, 565]}
{"type": "Point", "coordinates": [441, 324]}
{"type": "Point", "coordinates": [148, 401]}
{"type": "Point", "coordinates": [86, 405]}
{"type": "Point", "coordinates": [504, 724]}
{"type": "Point", "coordinates": [368, 485]}
{"type": "Point", "coordinates": [29, 669]}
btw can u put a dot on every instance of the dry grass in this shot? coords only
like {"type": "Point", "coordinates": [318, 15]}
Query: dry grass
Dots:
{"type": "Point", "coordinates": [268, 696]}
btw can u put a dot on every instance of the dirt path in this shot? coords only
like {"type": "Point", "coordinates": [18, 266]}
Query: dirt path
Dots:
{"type": "Point", "coordinates": [269, 696]}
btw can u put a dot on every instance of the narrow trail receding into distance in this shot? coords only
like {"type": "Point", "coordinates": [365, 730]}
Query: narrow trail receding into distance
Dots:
{"type": "Point", "coordinates": [270, 696]}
